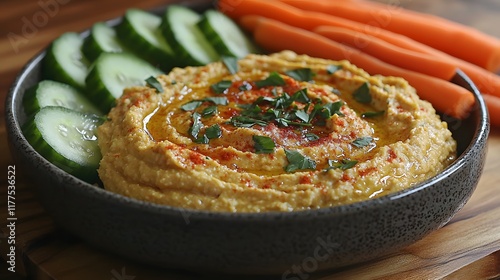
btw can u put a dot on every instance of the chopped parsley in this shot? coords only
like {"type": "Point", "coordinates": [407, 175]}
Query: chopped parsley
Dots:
{"type": "Point", "coordinates": [333, 68]}
{"type": "Point", "coordinates": [221, 86]}
{"type": "Point", "coordinates": [209, 111]}
{"type": "Point", "coordinates": [362, 141]}
{"type": "Point", "coordinates": [231, 63]}
{"type": "Point", "coordinates": [342, 164]}
{"type": "Point", "coordinates": [301, 74]}
{"type": "Point", "coordinates": [193, 104]}
{"type": "Point", "coordinates": [311, 137]}
{"type": "Point", "coordinates": [213, 132]}
{"type": "Point", "coordinates": [372, 114]}
{"type": "Point", "coordinates": [297, 161]}
{"type": "Point", "coordinates": [362, 94]}
{"type": "Point", "coordinates": [263, 144]}
{"type": "Point", "coordinates": [154, 83]}
{"type": "Point", "coordinates": [274, 79]}
{"type": "Point", "coordinates": [194, 130]}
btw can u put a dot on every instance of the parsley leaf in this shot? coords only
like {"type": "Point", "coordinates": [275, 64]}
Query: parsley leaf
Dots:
{"type": "Point", "coordinates": [301, 96]}
{"type": "Point", "coordinates": [263, 144]}
{"type": "Point", "coordinates": [362, 94]}
{"type": "Point", "coordinates": [297, 161]}
{"type": "Point", "coordinates": [154, 83]}
{"type": "Point", "coordinates": [333, 68]}
{"type": "Point", "coordinates": [274, 79]}
{"type": "Point", "coordinates": [362, 141]}
{"type": "Point", "coordinates": [311, 137]}
{"type": "Point", "coordinates": [231, 63]}
{"type": "Point", "coordinates": [217, 100]}
{"type": "Point", "coordinates": [221, 86]}
{"type": "Point", "coordinates": [372, 114]}
{"type": "Point", "coordinates": [194, 130]}
{"type": "Point", "coordinates": [342, 165]}
{"type": "Point", "coordinates": [302, 115]}
{"type": "Point", "coordinates": [191, 105]}
{"type": "Point", "coordinates": [209, 111]}
{"type": "Point", "coordinates": [301, 74]}
{"type": "Point", "coordinates": [213, 132]}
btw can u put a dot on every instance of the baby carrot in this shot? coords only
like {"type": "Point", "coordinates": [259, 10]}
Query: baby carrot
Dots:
{"type": "Point", "coordinates": [493, 105]}
{"type": "Point", "coordinates": [407, 59]}
{"type": "Point", "coordinates": [477, 47]}
{"type": "Point", "coordinates": [446, 97]}
{"type": "Point", "coordinates": [487, 82]}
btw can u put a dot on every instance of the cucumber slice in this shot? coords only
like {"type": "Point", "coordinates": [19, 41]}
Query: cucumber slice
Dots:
{"type": "Point", "coordinates": [225, 35]}
{"type": "Point", "coordinates": [188, 42]}
{"type": "Point", "coordinates": [139, 30]}
{"type": "Point", "coordinates": [51, 93]}
{"type": "Point", "coordinates": [111, 73]}
{"type": "Point", "coordinates": [67, 139]}
{"type": "Point", "coordinates": [102, 38]}
{"type": "Point", "coordinates": [64, 61]}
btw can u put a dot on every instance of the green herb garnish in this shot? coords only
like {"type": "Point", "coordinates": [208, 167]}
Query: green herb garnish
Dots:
{"type": "Point", "coordinates": [213, 132]}
{"type": "Point", "coordinates": [274, 79]}
{"type": "Point", "coordinates": [194, 130]}
{"type": "Point", "coordinates": [263, 144]}
{"type": "Point", "coordinates": [372, 114]}
{"type": "Point", "coordinates": [333, 68]}
{"type": "Point", "coordinates": [301, 74]}
{"type": "Point", "coordinates": [342, 165]}
{"type": "Point", "coordinates": [311, 137]}
{"type": "Point", "coordinates": [231, 63]}
{"type": "Point", "coordinates": [193, 104]}
{"type": "Point", "coordinates": [221, 86]}
{"type": "Point", "coordinates": [209, 111]}
{"type": "Point", "coordinates": [362, 141]}
{"type": "Point", "coordinates": [154, 83]}
{"type": "Point", "coordinates": [297, 161]}
{"type": "Point", "coordinates": [362, 94]}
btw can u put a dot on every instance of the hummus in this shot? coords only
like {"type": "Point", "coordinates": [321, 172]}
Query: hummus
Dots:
{"type": "Point", "coordinates": [286, 132]}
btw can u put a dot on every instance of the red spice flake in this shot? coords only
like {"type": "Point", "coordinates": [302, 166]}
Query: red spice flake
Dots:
{"type": "Point", "coordinates": [226, 155]}
{"type": "Point", "coordinates": [353, 135]}
{"type": "Point", "coordinates": [266, 186]}
{"type": "Point", "coordinates": [306, 179]}
{"type": "Point", "coordinates": [345, 178]}
{"type": "Point", "coordinates": [392, 155]}
{"type": "Point", "coordinates": [196, 158]}
{"type": "Point", "coordinates": [367, 171]}
{"type": "Point", "coordinates": [340, 122]}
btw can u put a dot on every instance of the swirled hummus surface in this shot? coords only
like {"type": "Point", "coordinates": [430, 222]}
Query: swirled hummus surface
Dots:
{"type": "Point", "coordinates": [285, 132]}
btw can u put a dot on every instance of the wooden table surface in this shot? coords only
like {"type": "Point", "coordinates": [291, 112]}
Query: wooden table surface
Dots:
{"type": "Point", "coordinates": [467, 248]}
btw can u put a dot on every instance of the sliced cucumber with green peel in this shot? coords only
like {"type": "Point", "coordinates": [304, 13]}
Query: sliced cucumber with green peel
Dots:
{"type": "Point", "coordinates": [225, 35]}
{"type": "Point", "coordinates": [64, 61]}
{"type": "Point", "coordinates": [179, 26]}
{"type": "Point", "coordinates": [140, 31]}
{"type": "Point", "coordinates": [52, 93]}
{"type": "Point", "coordinates": [102, 38]}
{"type": "Point", "coordinates": [67, 139]}
{"type": "Point", "coordinates": [111, 73]}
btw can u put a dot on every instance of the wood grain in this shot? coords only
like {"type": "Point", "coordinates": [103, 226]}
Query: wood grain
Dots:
{"type": "Point", "coordinates": [467, 248]}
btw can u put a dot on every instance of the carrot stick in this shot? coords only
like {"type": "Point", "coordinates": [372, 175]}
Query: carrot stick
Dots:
{"type": "Point", "coordinates": [446, 97]}
{"type": "Point", "coordinates": [486, 81]}
{"type": "Point", "coordinates": [415, 61]}
{"type": "Point", "coordinates": [493, 105]}
{"type": "Point", "coordinates": [455, 39]}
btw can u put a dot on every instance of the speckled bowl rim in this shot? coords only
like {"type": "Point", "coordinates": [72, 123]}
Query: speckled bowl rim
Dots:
{"type": "Point", "coordinates": [14, 128]}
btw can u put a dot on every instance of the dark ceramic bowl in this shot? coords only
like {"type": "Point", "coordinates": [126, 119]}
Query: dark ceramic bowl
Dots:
{"type": "Point", "coordinates": [259, 243]}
